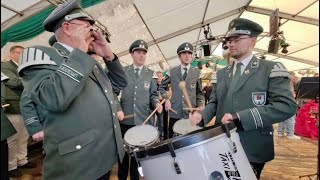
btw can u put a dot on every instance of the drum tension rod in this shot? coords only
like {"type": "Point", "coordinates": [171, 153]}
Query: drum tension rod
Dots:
{"type": "Point", "coordinates": [173, 154]}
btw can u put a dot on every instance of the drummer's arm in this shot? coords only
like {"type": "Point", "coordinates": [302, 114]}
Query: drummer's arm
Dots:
{"type": "Point", "coordinates": [116, 93]}
{"type": "Point", "coordinates": [164, 86]}
{"type": "Point", "coordinates": [199, 94]}
{"type": "Point", "coordinates": [211, 108]}
{"type": "Point", "coordinates": [154, 97]}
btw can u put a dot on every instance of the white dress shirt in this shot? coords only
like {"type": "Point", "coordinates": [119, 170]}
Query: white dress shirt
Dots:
{"type": "Point", "coordinates": [182, 68]}
{"type": "Point", "coordinates": [244, 62]}
{"type": "Point", "coordinates": [135, 67]}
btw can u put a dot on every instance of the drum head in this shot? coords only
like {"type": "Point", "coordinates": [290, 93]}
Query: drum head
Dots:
{"type": "Point", "coordinates": [141, 135]}
{"type": "Point", "coordinates": [186, 140]}
{"type": "Point", "coordinates": [183, 126]}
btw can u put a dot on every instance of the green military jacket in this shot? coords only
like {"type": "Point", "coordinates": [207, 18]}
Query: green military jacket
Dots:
{"type": "Point", "coordinates": [7, 129]}
{"type": "Point", "coordinates": [139, 96]}
{"type": "Point", "coordinates": [262, 97]}
{"type": "Point", "coordinates": [14, 87]}
{"type": "Point", "coordinates": [33, 115]}
{"type": "Point", "coordinates": [82, 133]}
{"type": "Point", "coordinates": [193, 87]}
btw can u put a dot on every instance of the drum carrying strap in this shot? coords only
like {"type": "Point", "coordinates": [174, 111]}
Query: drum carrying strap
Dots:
{"type": "Point", "coordinates": [138, 162]}
{"type": "Point", "coordinates": [231, 144]}
{"type": "Point", "coordinates": [173, 154]}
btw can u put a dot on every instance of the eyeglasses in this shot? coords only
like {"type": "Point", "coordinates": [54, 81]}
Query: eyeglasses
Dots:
{"type": "Point", "coordinates": [236, 40]}
{"type": "Point", "coordinates": [79, 24]}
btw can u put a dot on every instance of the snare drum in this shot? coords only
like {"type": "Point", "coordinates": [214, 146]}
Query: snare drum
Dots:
{"type": "Point", "coordinates": [210, 153]}
{"type": "Point", "coordinates": [183, 126]}
{"type": "Point", "coordinates": [140, 136]}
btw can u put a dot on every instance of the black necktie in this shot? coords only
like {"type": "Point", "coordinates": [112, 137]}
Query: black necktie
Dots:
{"type": "Point", "coordinates": [184, 76]}
{"type": "Point", "coordinates": [238, 70]}
{"type": "Point", "coordinates": [235, 77]}
{"type": "Point", "coordinates": [137, 72]}
{"type": "Point", "coordinates": [228, 106]}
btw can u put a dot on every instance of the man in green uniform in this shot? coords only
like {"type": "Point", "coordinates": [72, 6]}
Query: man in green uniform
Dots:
{"type": "Point", "coordinates": [191, 76]}
{"type": "Point", "coordinates": [137, 98]}
{"type": "Point", "coordinates": [253, 93]}
{"type": "Point", "coordinates": [82, 137]}
{"type": "Point", "coordinates": [13, 89]}
{"type": "Point", "coordinates": [158, 76]}
{"type": "Point", "coordinates": [33, 115]}
{"type": "Point", "coordinates": [7, 130]}
{"type": "Point", "coordinates": [52, 40]}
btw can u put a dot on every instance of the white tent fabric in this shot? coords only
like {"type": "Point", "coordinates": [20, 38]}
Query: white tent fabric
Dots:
{"type": "Point", "coordinates": [166, 24]}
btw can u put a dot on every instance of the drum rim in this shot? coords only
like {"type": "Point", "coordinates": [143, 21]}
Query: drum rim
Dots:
{"type": "Point", "coordinates": [144, 145]}
{"type": "Point", "coordinates": [180, 142]}
{"type": "Point", "coordinates": [181, 120]}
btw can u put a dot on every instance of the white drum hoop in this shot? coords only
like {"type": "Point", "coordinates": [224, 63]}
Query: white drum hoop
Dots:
{"type": "Point", "coordinates": [141, 136]}
{"type": "Point", "coordinates": [183, 126]}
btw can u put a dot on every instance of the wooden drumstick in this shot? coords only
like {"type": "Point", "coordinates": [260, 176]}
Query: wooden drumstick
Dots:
{"type": "Point", "coordinates": [174, 111]}
{"type": "Point", "coordinates": [5, 105]}
{"type": "Point", "coordinates": [182, 86]}
{"type": "Point", "coordinates": [154, 111]}
{"type": "Point", "coordinates": [128, 116]}
{"type": "Point", "coordinates": [211, 122]}
{"type": "Point", "coordinates": [155, 120]}
{"type": "Point", "coordinates": [192, 109]}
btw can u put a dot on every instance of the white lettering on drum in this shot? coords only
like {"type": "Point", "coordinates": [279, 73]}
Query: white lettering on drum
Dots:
{"type": "Point", "coordinates": [229, 166]}
{"type": "Point", "coordinates": [225, 160]}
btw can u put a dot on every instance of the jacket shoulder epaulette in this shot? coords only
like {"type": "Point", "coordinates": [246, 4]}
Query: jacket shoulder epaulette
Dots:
{"type": "Point", "coordinates": [36, 55]}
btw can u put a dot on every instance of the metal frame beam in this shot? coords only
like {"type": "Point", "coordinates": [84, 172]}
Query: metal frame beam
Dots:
{"type": "Point", "coordinates": [303, 48]}
{"type": "Point", "coordinates": [249, 2]}
{"type": "Point", "coordinates": [204, 16]}
{"type": "Point", "coordinates": [28, 12]}
{"type": "Point", "coordinates": [284, 15]}
{"type": "Point", "coordinates": [288, 57]}
{"type": "Point", "coordinates": [190, 28]}
{"type": "Point", "coordinates": [52, 2]}
{"type": "Point", "coordinates": [135, 7]}
{"type": "Point", "coordinates": [261, 51]}
{"type": "Point", "coordinates": [11, 9]}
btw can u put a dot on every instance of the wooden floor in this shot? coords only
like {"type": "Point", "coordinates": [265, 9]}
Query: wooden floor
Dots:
{"type": "Point", "coordinates": [293, 159]}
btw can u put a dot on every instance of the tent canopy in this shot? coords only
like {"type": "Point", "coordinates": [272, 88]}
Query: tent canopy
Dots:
{"type": "Point", "coordinates": [168, 23]}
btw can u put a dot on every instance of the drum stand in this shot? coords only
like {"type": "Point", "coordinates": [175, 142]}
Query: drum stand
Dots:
{"type": "Point", "coordinates": [316, 175]}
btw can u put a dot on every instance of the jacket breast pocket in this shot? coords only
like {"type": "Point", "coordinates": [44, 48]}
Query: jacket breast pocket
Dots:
{"type": "Point", "coordinates": [77, 143]}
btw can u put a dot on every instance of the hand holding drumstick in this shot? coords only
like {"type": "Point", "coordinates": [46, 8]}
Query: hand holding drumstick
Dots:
{"type": "Point", "coordinates": [154, 111]}
{"type": "Point", "coordinates": [121, 116]}
{"type": "Point", "coordinates": [194, 114]}
{"type": "Point", "coordinates": [182, 86]}
{"type": "Point", "coordinates": [174, 111]}
{"type": "Point", "coordinates": [5, 105]}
